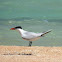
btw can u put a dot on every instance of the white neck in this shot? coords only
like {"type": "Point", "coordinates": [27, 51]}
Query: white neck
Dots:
{"type": "Point", "coordinates": [21, 31]}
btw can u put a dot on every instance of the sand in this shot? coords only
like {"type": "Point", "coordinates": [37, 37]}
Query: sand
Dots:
{"type": "Point", "coordinates": [30, 54]}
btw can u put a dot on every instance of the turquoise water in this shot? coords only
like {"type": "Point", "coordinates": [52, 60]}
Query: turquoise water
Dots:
{"type": "Point", "coordinates": [51, 9]}
{"type": "Point", "coordinates": [32, 15]}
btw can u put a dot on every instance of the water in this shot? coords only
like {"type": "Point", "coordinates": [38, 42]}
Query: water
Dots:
{"type": "Point", "coordinates": [9, 37]}
{"type": "Point", "coordinates": [32, 15]}
{"type": "Point", "coordinates": [52, 9]}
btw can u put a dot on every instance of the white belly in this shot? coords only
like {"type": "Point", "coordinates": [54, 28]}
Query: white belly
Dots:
{"type": "Point", "coordinates": [33, 39]}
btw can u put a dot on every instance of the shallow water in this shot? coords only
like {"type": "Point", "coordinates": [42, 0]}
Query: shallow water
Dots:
{"type": "Point", "coordinates": [9, 37]}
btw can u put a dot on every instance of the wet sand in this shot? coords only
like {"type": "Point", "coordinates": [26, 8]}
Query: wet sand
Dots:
{"type": "Point", "coordinates": [30, 54]}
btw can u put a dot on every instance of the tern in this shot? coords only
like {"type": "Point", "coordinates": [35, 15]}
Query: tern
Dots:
{"type": "Point", "coordinates": [29, 36]}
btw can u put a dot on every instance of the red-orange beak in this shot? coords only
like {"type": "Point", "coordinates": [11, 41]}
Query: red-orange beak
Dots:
{"type": "Point", "coordinates": [12, 29]}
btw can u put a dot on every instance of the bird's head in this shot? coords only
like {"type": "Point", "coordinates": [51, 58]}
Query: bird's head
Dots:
{"type": "Point", "coordinates": [15, 28]}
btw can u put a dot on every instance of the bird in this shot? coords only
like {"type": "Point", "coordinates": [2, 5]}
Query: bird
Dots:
{"type": "Point", "coordinates": [29, 36]}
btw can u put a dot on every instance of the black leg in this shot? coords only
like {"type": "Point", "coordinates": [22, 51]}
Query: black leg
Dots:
{"type": "Point", "coordinates": [30, 43]}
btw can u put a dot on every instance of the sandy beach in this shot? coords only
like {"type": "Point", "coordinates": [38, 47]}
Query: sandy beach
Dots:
{"type": "Point", "coordinates": [30, 54]}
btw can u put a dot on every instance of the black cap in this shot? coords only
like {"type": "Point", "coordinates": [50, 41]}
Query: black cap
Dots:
{"type": "Point", "coordinates": [18, 27]}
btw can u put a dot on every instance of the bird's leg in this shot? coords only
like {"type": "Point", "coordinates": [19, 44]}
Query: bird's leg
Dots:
{"type": "Point", "coordinates": [30, 43]}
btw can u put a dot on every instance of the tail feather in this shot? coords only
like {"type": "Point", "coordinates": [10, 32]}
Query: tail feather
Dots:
{"type": "Point", "coordinates": [46, 32]}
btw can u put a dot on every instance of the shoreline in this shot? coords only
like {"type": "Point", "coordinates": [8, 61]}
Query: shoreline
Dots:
{"type": "Point", "coordinates": [30, 54]}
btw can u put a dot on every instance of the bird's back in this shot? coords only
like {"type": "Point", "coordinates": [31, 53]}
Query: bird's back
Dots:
{"type": "Point", "coordinates": [30, 35]}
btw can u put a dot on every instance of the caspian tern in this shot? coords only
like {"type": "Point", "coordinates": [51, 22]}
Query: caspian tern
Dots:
{"type": "Point", "coordinates": [29, 36]}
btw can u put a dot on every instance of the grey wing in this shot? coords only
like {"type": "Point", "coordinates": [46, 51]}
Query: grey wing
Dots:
{"type": "Point", "coordinates": [30, 35]}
